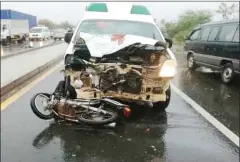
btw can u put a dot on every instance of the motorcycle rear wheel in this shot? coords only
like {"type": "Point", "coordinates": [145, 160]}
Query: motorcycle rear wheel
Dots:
{"type": "Point", "coordinates": [36, 110]}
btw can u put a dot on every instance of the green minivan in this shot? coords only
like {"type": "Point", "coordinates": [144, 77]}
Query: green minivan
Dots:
{"type": "Point", "coordinates": [215, 45]}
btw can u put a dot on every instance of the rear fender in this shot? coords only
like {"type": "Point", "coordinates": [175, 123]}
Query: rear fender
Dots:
{"type": "Point", "coordinates": [113, 103]}
{"type": "Point", "coordinates": [117, 107]}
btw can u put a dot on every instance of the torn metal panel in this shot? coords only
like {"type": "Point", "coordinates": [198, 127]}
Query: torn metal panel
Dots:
{"type": "Point", "coordinates": [133, 72]}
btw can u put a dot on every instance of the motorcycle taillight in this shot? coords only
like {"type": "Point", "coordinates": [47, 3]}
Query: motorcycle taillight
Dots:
{"type": "Point", "coordinates": [126, 112]}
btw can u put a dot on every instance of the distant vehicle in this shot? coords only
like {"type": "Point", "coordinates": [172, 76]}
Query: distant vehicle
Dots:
{"type": "Point", "coordinates": [39, 33]}
{"type": "Point", "coordinates": [58, 34]}
{"type": "Point", "coordinates": [15, 25]}
{"type": "Point", "coordinates": [215, 45]}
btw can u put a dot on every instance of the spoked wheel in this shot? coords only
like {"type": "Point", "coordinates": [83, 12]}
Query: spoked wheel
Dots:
{"type": "Point", "coordinates": [40, 107]}
{"type": "Point", "coordinates": [97, 118]}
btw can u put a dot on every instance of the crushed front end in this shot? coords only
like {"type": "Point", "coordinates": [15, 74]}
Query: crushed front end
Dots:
{"type": "Point", "coordinates": [135, 73]}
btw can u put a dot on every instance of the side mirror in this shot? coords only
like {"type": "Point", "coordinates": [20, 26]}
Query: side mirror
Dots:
{"type": "Point", "coordinates": [186, 38]}
{"type": "Point", "coordinates": [169, 41]}
{"type": "Point", "coordinates": [68, 37]}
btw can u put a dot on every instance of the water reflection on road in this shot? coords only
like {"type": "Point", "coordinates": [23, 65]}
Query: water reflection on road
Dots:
{"type": "Point", "coordinates": [205, 87]}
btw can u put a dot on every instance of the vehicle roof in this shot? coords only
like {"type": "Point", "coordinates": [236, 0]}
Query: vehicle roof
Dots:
{"type": "Point", "coordinates": [220, 22]}
{"type": "Point", "coordinates": [118, 11]}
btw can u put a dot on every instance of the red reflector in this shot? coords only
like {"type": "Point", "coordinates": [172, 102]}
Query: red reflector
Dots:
{"type": "Point", "coordinates": [126, 112]}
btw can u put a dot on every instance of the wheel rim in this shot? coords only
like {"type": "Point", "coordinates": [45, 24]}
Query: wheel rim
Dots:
{"type": "Point", "coordinates": [227, 74]}
{"type": "Point", "coordinates": [41, 103]}
{"type": "Point", "coordinates": [190, 61]}
{"type": "Point", "coordinates": [98, 116]}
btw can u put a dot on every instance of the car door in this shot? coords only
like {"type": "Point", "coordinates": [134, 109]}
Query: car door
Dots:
{"type": "Point", "coordinates": [203, 51]}
{"type": "Point", "coordinates": [235, 50]}
{"type": "Point", "coordinates": [45, 32]}
{"type": "Point", "coordinates": [225, 39]}
{"type": "Point", "coordinates": [211, 49]}
{"type": "Point", "coordinates": [229, 43]}
{"type": "Point", "coordinates": [191, 44]}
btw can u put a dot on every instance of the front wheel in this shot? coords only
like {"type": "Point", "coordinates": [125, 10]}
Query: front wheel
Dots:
{"type": "Point", "coordinates": [41, 109]}
{"type": "Point", "coordinates": [162, 105]}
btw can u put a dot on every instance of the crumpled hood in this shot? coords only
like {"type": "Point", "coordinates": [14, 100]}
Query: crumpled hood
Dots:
{"type": "Point", "coordinates": [100, 45]}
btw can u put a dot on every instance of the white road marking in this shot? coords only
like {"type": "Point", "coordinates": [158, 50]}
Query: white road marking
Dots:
{"type": "Point", "coordinates": [233, 137]}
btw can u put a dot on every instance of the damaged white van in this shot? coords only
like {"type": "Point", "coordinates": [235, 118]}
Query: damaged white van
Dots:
{"type": "Point", "coordinates": [133, 59]}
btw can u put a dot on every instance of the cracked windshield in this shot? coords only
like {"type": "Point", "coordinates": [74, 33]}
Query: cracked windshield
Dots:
{"type": "Point", "coordinates": [120, 81]}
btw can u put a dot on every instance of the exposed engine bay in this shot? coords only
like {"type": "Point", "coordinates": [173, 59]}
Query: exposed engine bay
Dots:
{"type": "Point", "coordinates": [132, 73]}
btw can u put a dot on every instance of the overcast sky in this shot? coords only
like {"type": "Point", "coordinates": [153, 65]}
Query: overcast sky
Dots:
{"type": "Point", "coordinates": [73, 11]}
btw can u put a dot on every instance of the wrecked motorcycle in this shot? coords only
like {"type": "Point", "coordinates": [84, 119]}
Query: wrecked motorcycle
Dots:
{"type": "Point", "coordinates": [87, 109]}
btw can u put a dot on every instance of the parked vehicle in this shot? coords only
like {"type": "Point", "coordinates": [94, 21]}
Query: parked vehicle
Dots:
{"type": "Point", "coordinates": [215, 45]}
{"type": "Point", "coordinates": [39, 33]}
{"type": "Point", "coordinates": [58, 34]}
{"type": "Point", "coordinates": [15, 25]}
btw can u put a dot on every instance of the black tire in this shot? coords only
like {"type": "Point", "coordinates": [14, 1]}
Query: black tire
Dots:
{"type": "Point", "coordinates": [162, 105]}
{"type": "Point", "coordinates": [98, 123]}
{"type": "Point", "coordinates": [35, 109]}
{"type": "Point", "coordinates": [191, 62]}
{"type": "Point", "coordinates": [227, 73]}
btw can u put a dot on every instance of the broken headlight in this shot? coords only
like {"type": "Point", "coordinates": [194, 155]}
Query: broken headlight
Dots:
{"type": "Point", "coordinates": [168, 68]}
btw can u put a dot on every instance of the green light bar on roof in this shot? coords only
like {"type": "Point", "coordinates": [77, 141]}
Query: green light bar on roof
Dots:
{"type": "Point", "coordinates": [97, 7]}
{"type": "Point", "coordinates": [139, 9]}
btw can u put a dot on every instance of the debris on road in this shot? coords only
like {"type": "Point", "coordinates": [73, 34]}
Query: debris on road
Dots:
{"type": "Point", "coordinates": [154, 148]}
{"type": "Point", "coordinates": [148, 130]}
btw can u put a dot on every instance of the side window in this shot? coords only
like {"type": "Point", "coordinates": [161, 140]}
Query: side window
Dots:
{"type": "Point", "coordinates": [205, 33]}
{"type": "Point", "coordinates": [227, 32]}
{"type": "Point", "coordinates": [213, 33]}
{"type": "Point", "coordinates": [236, 36]}
{"type": "Point", "coordinates": [195, 35]}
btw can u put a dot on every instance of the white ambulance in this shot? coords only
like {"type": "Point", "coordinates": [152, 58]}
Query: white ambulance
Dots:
{"type": "Point", "coordinates": [110, 29]}
{"type": "Point", "coordinates": [114, 18]}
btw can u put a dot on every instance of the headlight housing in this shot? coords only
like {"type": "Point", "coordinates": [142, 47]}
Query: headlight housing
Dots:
{"type": "Point", "coordinates": [168, 69]}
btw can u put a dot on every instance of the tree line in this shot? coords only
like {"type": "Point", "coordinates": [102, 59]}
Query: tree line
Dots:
{"type": "Point", "coordinates": [190, 19]}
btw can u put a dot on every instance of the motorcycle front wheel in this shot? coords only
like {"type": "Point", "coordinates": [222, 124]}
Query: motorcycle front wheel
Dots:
{"type": "Point", "coordinates": [41, 109]}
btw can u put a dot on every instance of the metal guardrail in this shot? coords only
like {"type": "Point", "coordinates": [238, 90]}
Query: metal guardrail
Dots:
{"type": "Point", "coordinates": [29, 50]}
{"type": "Point", "coordinates": [18, 82]}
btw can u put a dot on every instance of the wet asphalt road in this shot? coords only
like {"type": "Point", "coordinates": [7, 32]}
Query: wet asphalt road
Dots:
{"type": "Point", "coordinates": [180, 134]}
{"type": "Point", "coordinates": [205, 87]}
